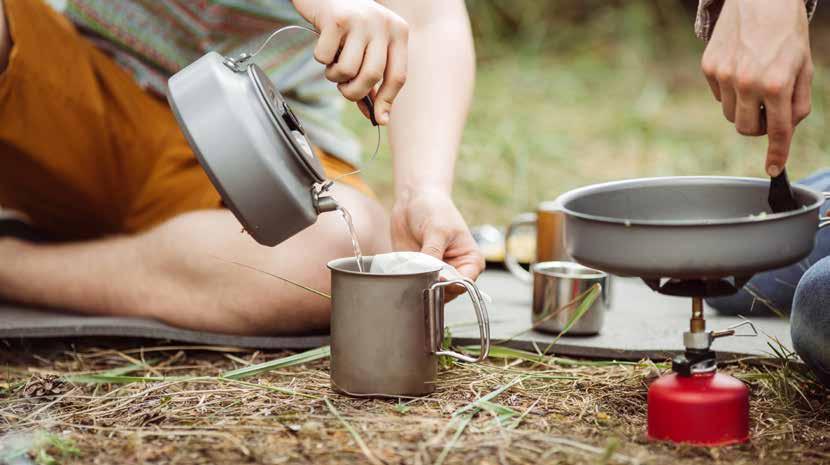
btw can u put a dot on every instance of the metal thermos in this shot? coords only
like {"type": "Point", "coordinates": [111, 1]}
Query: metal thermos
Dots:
{"type": "Point", "coordinates": [387, 329]}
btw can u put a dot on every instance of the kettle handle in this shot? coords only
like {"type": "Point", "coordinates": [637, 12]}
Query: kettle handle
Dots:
{"type": "Point", "coordinates": [236, 63]}
{"type": "Point", "coordinates": [434, 297]}
{"type": "Point", "coordinates": [370, 107]}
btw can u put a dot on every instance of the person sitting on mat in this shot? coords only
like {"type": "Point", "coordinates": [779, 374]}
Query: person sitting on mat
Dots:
{"type": "Point", "coordinates": [91, 154]}
{"type": "Point", "coordinates": [758, 54]}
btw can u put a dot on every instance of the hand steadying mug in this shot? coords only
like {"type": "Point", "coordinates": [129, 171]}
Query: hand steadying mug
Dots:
{"type": "Point", "coordinates": [759, 55]}
{"type": "Point", "coordinates": [428, 221]}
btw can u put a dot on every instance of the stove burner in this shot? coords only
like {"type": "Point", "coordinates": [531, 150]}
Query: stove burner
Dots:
{"type": "Point", "coordinates": [711, 287]}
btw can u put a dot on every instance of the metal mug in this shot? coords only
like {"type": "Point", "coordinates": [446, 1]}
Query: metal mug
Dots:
{"type": "Point", "coordinates": [555, 287]}
{"type": "Point", "coordinates": [550, 244]}
{"type": "Point", "coordinates": [387, 329]}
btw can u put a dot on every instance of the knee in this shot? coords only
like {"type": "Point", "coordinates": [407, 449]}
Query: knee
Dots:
{"type": "Point", "coordinates": [810, 319]}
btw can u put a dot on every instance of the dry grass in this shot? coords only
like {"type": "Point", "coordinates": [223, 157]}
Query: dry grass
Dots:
{"type": "Point", "coordinates": [170, 405]}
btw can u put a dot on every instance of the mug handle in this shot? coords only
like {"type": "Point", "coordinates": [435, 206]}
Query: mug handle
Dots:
{"type": "Point", "coordinates": [435, 319]}
{"type": "Point", "coordinates": [510, 261]}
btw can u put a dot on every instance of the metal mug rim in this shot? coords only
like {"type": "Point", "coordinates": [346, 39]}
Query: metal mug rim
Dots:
{"type": "Point", "coordinates": [589, 273]}
{"type": "Point", "coordinates": [334, 265]}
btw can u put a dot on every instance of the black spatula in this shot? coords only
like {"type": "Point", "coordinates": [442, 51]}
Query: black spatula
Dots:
{"type": "Point", "coordinates": [781, 198]}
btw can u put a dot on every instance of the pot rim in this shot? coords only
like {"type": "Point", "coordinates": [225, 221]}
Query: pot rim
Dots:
{"type": "Point", "coordinates": [569, 196]}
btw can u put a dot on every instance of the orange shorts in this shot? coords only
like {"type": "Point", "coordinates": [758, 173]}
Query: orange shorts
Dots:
{"type": "Point", "coordinates": [84, 150]}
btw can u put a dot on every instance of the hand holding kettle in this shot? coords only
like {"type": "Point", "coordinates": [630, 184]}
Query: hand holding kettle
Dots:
{"type": "Point", "coordinates": [362, 43]}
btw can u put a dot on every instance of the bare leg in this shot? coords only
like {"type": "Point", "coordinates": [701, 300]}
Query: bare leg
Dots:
{"type": "Point", "coordinates": [5, 40]}
{"type": "Point", "coordinates": [171, 272]}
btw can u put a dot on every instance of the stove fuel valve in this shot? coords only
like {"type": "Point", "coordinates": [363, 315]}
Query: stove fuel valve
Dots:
{"type": "Point", "coordinates": [702, 340]}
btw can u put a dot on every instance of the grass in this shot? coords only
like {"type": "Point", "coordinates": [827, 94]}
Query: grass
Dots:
{"type": "Point", "coordinates": [518, 408]}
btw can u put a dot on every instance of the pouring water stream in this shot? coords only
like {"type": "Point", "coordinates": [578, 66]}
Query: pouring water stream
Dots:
{"type": "Point", "coordinates": [358, 254]}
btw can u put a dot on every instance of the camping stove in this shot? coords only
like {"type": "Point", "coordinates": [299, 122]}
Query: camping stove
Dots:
{"type": "Point", "coordinates": [695, 404]}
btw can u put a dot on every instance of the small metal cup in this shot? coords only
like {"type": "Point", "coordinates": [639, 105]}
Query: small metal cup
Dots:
{"type": "Point", "coordinates": [555, 286]}
{"type": "Point", "coordinates": [387, 329]}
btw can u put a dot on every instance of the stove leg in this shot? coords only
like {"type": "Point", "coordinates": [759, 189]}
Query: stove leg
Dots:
{"type": "Point", "coordinates": [697, 324]}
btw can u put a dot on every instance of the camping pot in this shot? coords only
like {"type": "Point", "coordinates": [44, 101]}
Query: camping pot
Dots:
{"type": "Point", "coordinates": [387, 330]}
{"type": "Point", "coordinates": [558, 290]}
{"type": "Point", "coordinates": [252, 146]}
{"type": "Point", "coordinates": [549, 222]}
{"type": "Point", "coordinates": [715, 230]}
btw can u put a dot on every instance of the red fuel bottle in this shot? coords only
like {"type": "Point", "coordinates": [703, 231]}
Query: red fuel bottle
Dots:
{"type": "Point", "coordinates": [708, 409]}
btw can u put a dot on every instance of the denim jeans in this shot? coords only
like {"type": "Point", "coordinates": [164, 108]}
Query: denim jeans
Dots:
{"type": "Point", "coordinates": [801, 290]}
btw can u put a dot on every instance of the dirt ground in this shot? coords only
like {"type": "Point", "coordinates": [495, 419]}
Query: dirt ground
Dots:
{"type": "Point", "coordinates": [79, 403]}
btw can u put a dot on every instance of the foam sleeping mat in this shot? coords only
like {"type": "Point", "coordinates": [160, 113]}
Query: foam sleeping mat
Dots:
{"type": "Point", "coordinates": [640, 324]}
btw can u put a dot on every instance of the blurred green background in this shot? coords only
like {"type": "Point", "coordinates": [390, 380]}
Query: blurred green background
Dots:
{"type": "Point", "coordinates": [572, 92]}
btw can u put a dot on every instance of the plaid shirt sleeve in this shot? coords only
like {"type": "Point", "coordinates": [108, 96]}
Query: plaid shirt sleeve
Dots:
{"type": "Point", "coordinates": [708, 11]}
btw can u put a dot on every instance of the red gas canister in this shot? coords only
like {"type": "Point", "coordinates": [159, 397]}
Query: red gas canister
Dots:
{"type": "Point", "coordinates": [710, 409]}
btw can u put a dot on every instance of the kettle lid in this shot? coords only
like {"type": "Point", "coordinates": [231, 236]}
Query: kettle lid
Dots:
{"type": "Point", "coordinates": [286, 122]}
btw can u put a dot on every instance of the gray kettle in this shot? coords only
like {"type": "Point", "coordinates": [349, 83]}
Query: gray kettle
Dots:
{"type": "Point", "coordinates": [252, 146]}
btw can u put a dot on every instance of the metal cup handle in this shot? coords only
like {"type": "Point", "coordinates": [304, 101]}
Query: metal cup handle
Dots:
{"type": "Point", "coordinates": [435, 319]}
{"type": "Point", "coordinates": [525, 219]}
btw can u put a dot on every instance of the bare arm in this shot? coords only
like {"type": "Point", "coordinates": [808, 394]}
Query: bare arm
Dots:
{"type": "Point", "coordinates": [430, 112]}
{"type": "Point", "coordinates": [172, 273]}
{"type": "Point", "coordinates": [425, 131]}
{"type": "Point", "coordinates": [168, 274]}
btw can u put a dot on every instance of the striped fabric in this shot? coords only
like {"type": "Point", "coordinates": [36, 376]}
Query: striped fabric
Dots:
{"type": "Point", "coordinates": [155, 38]}
{"type": "Point", "coordinates": [709, 10]}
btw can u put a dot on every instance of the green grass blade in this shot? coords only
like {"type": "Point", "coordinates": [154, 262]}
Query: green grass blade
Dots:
{"type": "Point", "coordinates": [550, 314]}
{"type": "Point", "coordinates": [296, 359]}
{"type": "Point", "coordinates": [465, 415]}
{"type": "Point", "coordinates": [113, 376]}
{"type": "Point", "coordinates": [357, 438]}
{"type": "Point", "coordinates": [123, 379]}
{"type": "Point", "coordinates": [509, 353]}
{"type": "Point", "coordinates": [501, 412]}
{"type": "Point", "coordinates": [465, 420]}
{"type": "Point", "coordinates": [580, 311]}
{"type": "Point", "coordinates": [476, 405]}
{"type": "Point", "coordinates": [267, 387]}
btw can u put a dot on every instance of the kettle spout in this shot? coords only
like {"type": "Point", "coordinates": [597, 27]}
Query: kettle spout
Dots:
{"type": "Point", "coordinates": [325, 203]}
